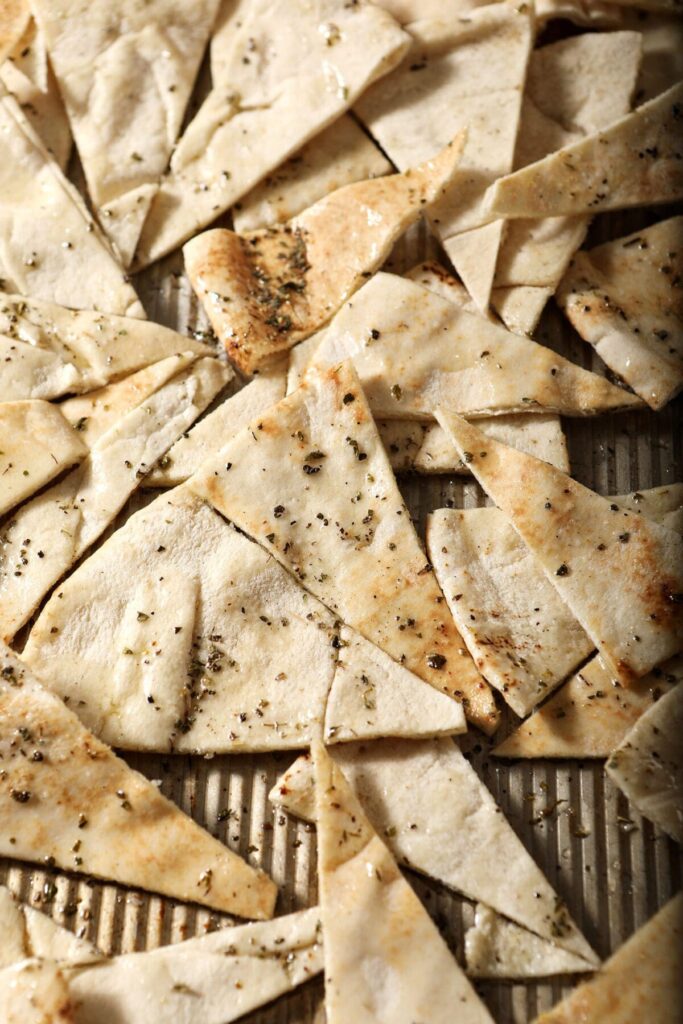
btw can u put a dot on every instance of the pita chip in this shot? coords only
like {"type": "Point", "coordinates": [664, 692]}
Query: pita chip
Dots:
{"type": "Point", "coordinates": [35, 992]}
{"type": "Point", "coordinates": [27, 932]}
{"type": "Point", "coordinates": [127, 831]}
{"type": "Point", "coordinates": [647, 765]}
{"type": "Point", "coordinates": [385, 960]}
{"type": "Point", "coordinates": [474, 254]}
{"type": "Point", "coordinates": [14, 18]}
{"type": "Point", "coordinates": [520, 306]}
{"type": "Point", "coordinates": [620, 299]}
{"type": "Point", "coordinates": [662, 36]}
{"type": "Point", "coordinates": [51, 247]}
{"type": "Point", "coordinates": [338, 156]}
{"type": "Point", "coordinates": [318, 459]}
{"type": "Point", "coordinates": [583, 541]}
{"type": "Point", "coordinates": [265, 291]}
{"type": "Point", "coordinates": [604, 170]}
{"type": "Point", "coordinates": [663, 505]}
{"type": "Point", "coordinates": [642, 976]}
{"type": "Point", "coordinates": [47, 351]}
{"type": "Point", "coordinates": [36, 444]}
{"type": "Point", "coordinates": [309, 65]}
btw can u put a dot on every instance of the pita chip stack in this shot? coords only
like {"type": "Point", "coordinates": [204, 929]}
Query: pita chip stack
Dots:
{"type": "Point", "coordinates": [640, 981]}
{"type": "Point", "coordinates": [316, 458]}
{"type": "Point", "coordinates": [585, 543]}
{"type": "Point", "coordinates": [385, 961]}
{"type": "Point", "coordinates": [64, 795]}
{"type": "Point", "coordinates": [619, 297]}
{"type": "Point", "coordinates": [267, 290]}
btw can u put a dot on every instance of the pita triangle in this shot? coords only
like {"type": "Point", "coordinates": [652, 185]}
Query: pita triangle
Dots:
{"type": "Point", "coordinates": [585, 542]}
{"type": "Point", "coordinates": [79, 804]}
{"type": "Point", "coordinates": [474, 255]}
{"type": "Point", "coordinates": [385, 960]}
{"type": "Point", "coordinates": [27, 932]}
{"type": "Point", "coordinates": [266, 290]}
{"type": "Point", "coordinates": [14, 18]}
{"type": "Point", "coordinates": [520, 307]}
{"type": "Point", "coordinates": [644, 973]}
{"type": "Point", "coordinates": [438, 818]}
{"type": "Point", "coordinates": [35, 992]}
{"type": "Point", "coordinates": [319, 460]}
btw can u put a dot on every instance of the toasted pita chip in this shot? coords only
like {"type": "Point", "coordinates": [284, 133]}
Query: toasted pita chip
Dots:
{"type": "Point", "coordinates": [647, 765]}
{"type": "Point", "coordinates": [51, 248]}
{"type": "Point", "coordinates": [36, 443]}
{"type": "Point", "coordinates": [318, 459]}
{"type": "Point", "coordinates": [414, 350]}
{"type": "Point", "coordinates": [438, 818]}
{"type": "Point", "coordinates": [604, 171]}
{"type": "Point", "coordinates": [643, 976]}
{"type": "Point", "coordinates": [584, 542]}
{"type": "Point", "coordinates": [265, 291]}
{"type": "Point", "coordinates": [662, 37]}
{"type": "Point", "coordinates": [663, 505]}
{"type": "Point", "coordinates": [430, 274]}
{"type": "Point", "coordinates": [520, 306]}
{"type": "Point", "coordinates": [78, 792]}
{"type": "Point", "coordinates": [620, 299]}
{"type": "Point", "coordinates": [28, 933]}
{"type": "Point", "coordinates": [14, 17]}
{"type": "Point", "coordinates": [64, 521]}
{"type": "Point", "coordinates": [295, 82]}
{"type": "Point", "coordinates": [35, 992]}
{"type": "Point", "coordinates": [474, 254]}
{"type": "Point", "coordinates": [385, 960]}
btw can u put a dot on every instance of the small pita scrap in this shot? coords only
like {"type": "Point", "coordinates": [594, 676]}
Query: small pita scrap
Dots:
{"type": "Point", "coordinates": [585, 543]}
{"type": "Point", "coordinates": [647, 765]}
{"type": "Point", "coordinates": [265, 291]}
{"type": "Point", "coordinates": [290, 70]}
{"type": "Point", "coordinates": [604, 171]}
{"type": "Point", "coordinates": [662, 37]}
{"type": "Point", "coordinates": [663, 505]}
{"type": "Point", "coordinates": [319, 460]}
{"type": "Point", "coordinates": [619, 297]}
{"type": "Point", "coordinates": [36, 444]}
{"type": "Point", "coordinates": [643, 976]}
{"type": "Point", "coordinates": [50, 246]}
{"type": "Point", "coordinates": [47, 351]}
{"type": "Point", "coordinates": [75, 794]}
{"type": "Point", "coordinates": [14, 18]}
{"type": "Point", "coordinates": [35, 992]}
{"type": "Point", "coordinates": [438, 818]}
{"type": "Point", "coordinates": [340, 155]}
{"type": "Point", "coordinates": [385, 961]}
{"type": "Point", "coordinates": [27, 932]}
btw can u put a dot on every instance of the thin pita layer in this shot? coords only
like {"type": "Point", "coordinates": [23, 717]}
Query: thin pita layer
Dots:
{"type": "Point", "coordinates": [619, 297]}
{"type": "Point", "coordinates": [520, 307]}
{"type": "Point", "coordinates": [604, 171]}
{"type": "Point", "coordinates": [47, 351]}
{"type": "Point", "coordinates": [51, 247]}
{"type": "Point", "coordinates": [82, 806]}
{"type": "Point", "coordinates": [474, 254]}
{"type": "Point", "coordinates": [36, 444]}
{"type": "Point", "coordinates": [35, 992]}
{"type": "Point", "coordinates": [318, 460]}
{"type": "Point", "coordinates": [338, 156]}
{"type": "Point", "coordinates": [385, 961]}
{"type": "Point", "coordinates": [14, 17]}
{"type": "Point", "coordinates": [124, 135]}
{"type": "Point", "coordinates": [29, 933]}
{"type": "Point", "coordinates": [262, 111]}
{"type": "Point", "coordinates": [414, 351]}
{"type": "Point", "coordinates": [643, 976]}
{"type": "Point", "coordinates": [585, 543]}
{"type": "Point", "coordinates": [438, 818]}
{"type": "Point", "coordinates": [647, 765]}
{"type": "Point", "coordinates": [265, 291]}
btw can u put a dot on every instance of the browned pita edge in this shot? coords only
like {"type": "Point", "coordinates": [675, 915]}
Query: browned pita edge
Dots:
{"type": "Point", "coordinates": [266, 290]}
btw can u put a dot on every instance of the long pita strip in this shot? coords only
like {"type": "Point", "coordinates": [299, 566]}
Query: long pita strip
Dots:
{"type": "Point", "coordinates": [64, 795]}
{"type": "Point", "coordinates": [583, 541]}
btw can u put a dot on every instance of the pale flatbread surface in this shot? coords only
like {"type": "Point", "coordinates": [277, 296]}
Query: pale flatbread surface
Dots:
{"type": "Point", "coordinates": [27, 932]}
{"type": "Point", "coordinates": [35, 992]}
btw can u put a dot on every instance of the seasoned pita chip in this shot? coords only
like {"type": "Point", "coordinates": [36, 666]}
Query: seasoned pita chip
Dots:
{"type": "Point", "coordinates": [385, 961]}
{"type": "Point", "coordinates": [338, 156]}
{"type": "Point", "coordinates": [643, 976]}
{"type": "Point", "coordinates": [27, 932]}
{"type": "Point", "coordinates": [647, 765]}
{"type": "Point", "coordinates": [438, 818]}
{"type": "Point", "coordinates": [75, 795]}
{"type": "Point", "coordinates": [36, 444]}
{"type": "Point", "coordinates": [14, 17]}
{"type": "Point", "coordinates": [291, 70]}
{"type": "Point", "coordinates": [35, 992]}
{"type": "Point", "coordinates": [520, 306]}
{"type": "Point", "coordinates": [50, 247]}
{"type": "Point", "coordinates": [430, 274]}
{"type": "Point", "coordinates": [663, 505]}
{"type": "Point", "coordinates": [619, 297]}
{"type": "Point", "coordinates": [319, 460]}
{"type": "Point", "coordinates": [474, 254]}
{"type": "Point", "coordinates": [585, 543]}
{"type": "Point", "coordinates": [604, 171]}
{"type": "Point", "coordinates": [265, 291]}
{"type": "Point", "coordinates": [47, 351]}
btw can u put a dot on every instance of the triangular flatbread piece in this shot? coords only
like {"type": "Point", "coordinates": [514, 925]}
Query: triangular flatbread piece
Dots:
{"type": "Point", "coordinates": [35, 992]}
{"type": "Point", "coordinates": [474, 255]}
{"type": "Point", "coordinates": [385, 961]}
{"type": "Point", "coordinates": [27, 932]}
{"type": "Point", "coordinates": [643, 976]}
{"type": "Point", "coordinates": [65, 796]}
{"type": "Point", "coordinates": [318, 460]}
{"type": "Point", "coordinates": [14, 17]}
{"type": "Point", "coordinates": [265, 291]}
{"type": "Point", "coordinates": [520, 307]}
{"type": "Point", "coordinates": [583, 541]}
{"type": "Point", "coordinates": [619, 297]}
